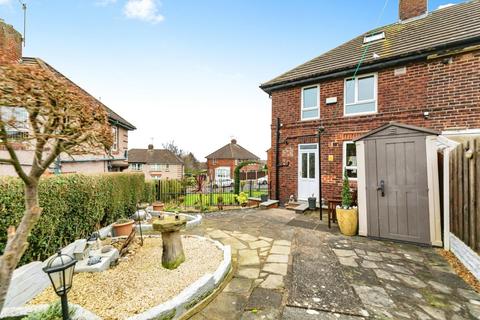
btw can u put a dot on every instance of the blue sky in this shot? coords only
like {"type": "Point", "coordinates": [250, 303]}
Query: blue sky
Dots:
{"type": "Point", "coordinates": [189, 70]}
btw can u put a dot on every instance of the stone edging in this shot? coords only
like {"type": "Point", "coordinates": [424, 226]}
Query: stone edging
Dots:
{"type": "Point", "coordinates": [194, 293]}
{"type": "Point", "coordinates": [469, 258]}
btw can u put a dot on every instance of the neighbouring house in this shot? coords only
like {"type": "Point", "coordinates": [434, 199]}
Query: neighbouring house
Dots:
{"type": "Point", "coordinates": [221, 163]}
{"type": "Point", "coordinates": [381, 107]}
{"type": "Point", "coordinates": [115, 160]}
{"type": "Point", "coordinates": [159, 164]}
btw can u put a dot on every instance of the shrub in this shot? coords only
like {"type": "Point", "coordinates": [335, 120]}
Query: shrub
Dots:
{"type": "Point", "coordinates": [242, 198]}
{"type": "Point", "coordinates": [73, 205]}
{"type": "Point", "coordinates": [54, 312]}
{"type": "Point", "coordinates": [346, 192]}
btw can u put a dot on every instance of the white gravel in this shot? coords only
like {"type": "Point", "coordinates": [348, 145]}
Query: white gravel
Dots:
{"type": "Point", "coordinates": [140, 282]}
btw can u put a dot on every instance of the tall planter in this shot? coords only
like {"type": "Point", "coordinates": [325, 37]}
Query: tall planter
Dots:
{"type": "Point", "coordinates": [347, 221]}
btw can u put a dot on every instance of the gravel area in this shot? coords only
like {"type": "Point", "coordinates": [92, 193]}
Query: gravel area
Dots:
{"type": "Point", "coordinates": [139, 282]}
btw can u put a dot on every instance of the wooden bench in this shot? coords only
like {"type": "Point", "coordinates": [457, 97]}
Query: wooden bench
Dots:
{"type": "Point", "coordinates": [269, 204]}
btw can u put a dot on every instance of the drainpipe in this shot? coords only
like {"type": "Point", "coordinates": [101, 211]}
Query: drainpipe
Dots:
{"type": "Point", "coordinates": [321, 129]}
{"type": "Point", "coordinates": [277, 159]}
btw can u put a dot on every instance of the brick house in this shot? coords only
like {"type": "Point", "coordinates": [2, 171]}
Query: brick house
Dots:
{"type": "Point", "coordinates": [418, 71]}
{"type": "Point", "coordinates": [158, 164]}
{"type": "Point", "coordinates": [222, 162]}
{"type": "Point", "coordinates": [11, 52]}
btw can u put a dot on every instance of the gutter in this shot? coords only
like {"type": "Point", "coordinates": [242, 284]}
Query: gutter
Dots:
{"type": "Point", "coordinates": [418, 55]}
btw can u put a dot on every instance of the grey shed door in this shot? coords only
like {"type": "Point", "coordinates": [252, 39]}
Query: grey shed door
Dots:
{"type": "Point", "coordinates": [396, 159]}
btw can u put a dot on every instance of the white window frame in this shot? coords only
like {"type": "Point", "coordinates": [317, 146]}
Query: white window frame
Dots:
{"type": "Point", "coordinates": [375, 95]}
{"type": "Point", "coordinates": [312, 108]}
{"type": "Point", "coordinates": [344, 156]}
{"type": "Point", "coordinates": [136, 166]}
{"type": "Point", "coordinates": [115, 138]}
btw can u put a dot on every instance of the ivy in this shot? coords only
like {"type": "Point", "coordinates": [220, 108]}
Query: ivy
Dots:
{"type": "Point", "coordinates": [73, 205]}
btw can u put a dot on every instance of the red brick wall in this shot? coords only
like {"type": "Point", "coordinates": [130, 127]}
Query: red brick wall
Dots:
{"type": "Point", "coordinates": [10, 44]}
{"type": "Point", "coordinates": [450, 92]}
{"type": "Point", "coordinates": [412, 8]}
{"type": "Point", "coordinates": [212, 165]}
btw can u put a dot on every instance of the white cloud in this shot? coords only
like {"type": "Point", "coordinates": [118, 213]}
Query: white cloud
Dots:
{"type": "Point", "coordinates": [103, 3]}
{"type": "Point", "coordinates": [4, 2]}
{"type": "Point", "coordinates": [145, 10]}
{"type": "Point", "coordinates": [442, 6]}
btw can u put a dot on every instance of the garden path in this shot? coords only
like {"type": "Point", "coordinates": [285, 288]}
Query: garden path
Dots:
{"type": "Point", "coordinates": [293, 267]}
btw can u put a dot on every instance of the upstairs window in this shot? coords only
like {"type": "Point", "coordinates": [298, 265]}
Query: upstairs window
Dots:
{"type": "Point", "coordinates": [361, 95]}
{"type": "Point", "coordinates": [16, 121]}
{"type": "Point", "coordinates": [310, 103]}
{"type": "Point", "coordinates": [156, 167]}
{"type": "Point", "coordinates": [136, 166]}
{"type": "Point", "coordinates": [115, 138]}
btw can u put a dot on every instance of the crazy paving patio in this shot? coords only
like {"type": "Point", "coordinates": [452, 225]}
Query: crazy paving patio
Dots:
{"type": "Point", "coordinates": [293, 267]}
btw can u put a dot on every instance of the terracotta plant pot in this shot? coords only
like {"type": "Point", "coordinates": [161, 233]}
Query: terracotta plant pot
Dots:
{"type": "Point", "coordinates": [123, 229]}
{"type": "Point", "coordinates": [347, 221]}
{"type": "Point", "coordinates": [158, 206]}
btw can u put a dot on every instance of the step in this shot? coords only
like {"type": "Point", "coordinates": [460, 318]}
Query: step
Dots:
{"type": "Point", "coordinates": [269, 204]}
{"type": "Point", "coordinates": [301, 208]}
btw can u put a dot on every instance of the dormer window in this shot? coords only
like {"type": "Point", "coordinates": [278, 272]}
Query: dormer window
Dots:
{"type": "Point", "coordinates": [374, 37]}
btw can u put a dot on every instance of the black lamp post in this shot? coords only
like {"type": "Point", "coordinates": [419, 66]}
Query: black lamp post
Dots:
{"type": "Point", "coordinates": [321, 129]}
{"type": "Point", "coordinates": [60, 271]}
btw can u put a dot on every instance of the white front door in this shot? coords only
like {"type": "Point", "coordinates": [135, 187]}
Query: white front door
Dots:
{"type": "Point", "coordinates": [307, 171]}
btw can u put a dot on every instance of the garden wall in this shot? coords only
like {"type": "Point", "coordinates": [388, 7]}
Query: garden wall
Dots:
{"type": "Point", "coordinates": [73, 207]}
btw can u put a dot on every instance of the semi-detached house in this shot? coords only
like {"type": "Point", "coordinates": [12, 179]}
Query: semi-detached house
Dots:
{"type": "Point", "coordinates": [380, 100]}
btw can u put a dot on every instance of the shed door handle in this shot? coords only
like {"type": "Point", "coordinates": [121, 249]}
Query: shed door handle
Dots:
{"type": "Point", "coordinates": [382, 187]}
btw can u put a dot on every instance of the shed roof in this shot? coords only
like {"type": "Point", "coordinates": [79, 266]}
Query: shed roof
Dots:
{"type": "Point", "coordinates": [410, 128]}
{"type": "Point", "coordinates": [438, 30]}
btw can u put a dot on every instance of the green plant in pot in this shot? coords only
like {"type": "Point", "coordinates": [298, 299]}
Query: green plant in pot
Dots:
{"type": "Point", "coordinates": [347, 215]}
{"type": "Point", "coordinates": [220, 202]}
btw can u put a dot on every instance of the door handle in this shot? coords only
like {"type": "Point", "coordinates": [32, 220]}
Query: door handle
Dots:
{"type": "Point", "coordinates": [382, 187]}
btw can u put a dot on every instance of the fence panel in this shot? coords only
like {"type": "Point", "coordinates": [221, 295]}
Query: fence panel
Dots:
{"type": "Point", "coordinates": [465, 192]}
{"type": "Point", "coordinates": [176, 193]}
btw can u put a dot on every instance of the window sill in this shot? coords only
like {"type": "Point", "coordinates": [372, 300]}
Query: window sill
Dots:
{"type": "Point", "coordinates": [359, 114]}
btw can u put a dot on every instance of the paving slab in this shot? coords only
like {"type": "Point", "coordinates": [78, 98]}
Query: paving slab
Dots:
{"type": "Point", "coordinates": [278, 258]}
{"type": "Point", "coordinates": [273, 281]}
{"type": "Point", "coordinates": [248, 257]}
{"type": "Point", "coordinates": [249, 273]}
{"type": "Point", "coordinates": [280, 250]}
{"type": "Point", "coordinates": [277, 268]}
{"type": "Point", "coordinates": [240, 286]}
{"type": "Point", "coordinates": [292, 313]}
{"type": "Point", "coordinates": [225, 306]}
{"type": "Point", "coordinates": [262, 298]}
{"type": "Point", "coordinates": [259, 244]}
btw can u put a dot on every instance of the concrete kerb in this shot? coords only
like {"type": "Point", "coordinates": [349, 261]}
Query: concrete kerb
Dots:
{"type": "Point", "coordinates": [195, 293]}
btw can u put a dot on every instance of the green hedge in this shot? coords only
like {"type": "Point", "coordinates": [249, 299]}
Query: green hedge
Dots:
{"type": "Point", "coordinates": [73, 205]}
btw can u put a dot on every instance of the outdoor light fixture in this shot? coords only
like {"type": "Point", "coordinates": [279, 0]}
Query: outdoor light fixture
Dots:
{"type": "Point", "coordinates": [60, 271]}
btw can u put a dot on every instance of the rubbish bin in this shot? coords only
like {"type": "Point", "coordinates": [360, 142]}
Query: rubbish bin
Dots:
{"type": "Point", "coordinates": [264, 197]}
{"type": "Point", "coordinates": [312, 203]}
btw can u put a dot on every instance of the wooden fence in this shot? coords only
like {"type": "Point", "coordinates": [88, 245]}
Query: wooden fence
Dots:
{"type": "Point", "coordinates": [465, 192]}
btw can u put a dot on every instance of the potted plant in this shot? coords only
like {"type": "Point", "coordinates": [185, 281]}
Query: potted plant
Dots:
{"type": "Point", "coordinates": [347, 215]}
{"type": "Point", "coordinates": [242, 199]}
{"type": "Point", "coordinates": [122, 227]}
{"type": "Point", "coordinates": [220, 202]}
{"type": "Point", "coordinates": [158, 206]}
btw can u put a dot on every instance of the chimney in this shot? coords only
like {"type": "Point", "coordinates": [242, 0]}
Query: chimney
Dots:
{"type": "Point", "coordinates": [150, 147]}
{"type": "Point", "coordinates": [10, 44]}
{"type": "Point", "coordinates": [412, 8]}
{"type": "Point", "coordinates": [234, 141]}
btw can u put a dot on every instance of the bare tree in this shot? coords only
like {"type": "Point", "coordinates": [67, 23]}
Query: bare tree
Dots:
{"type": "Point", "coordinates": [59, 119]}
{"type": "Point", "coordinates": [171, 146]}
